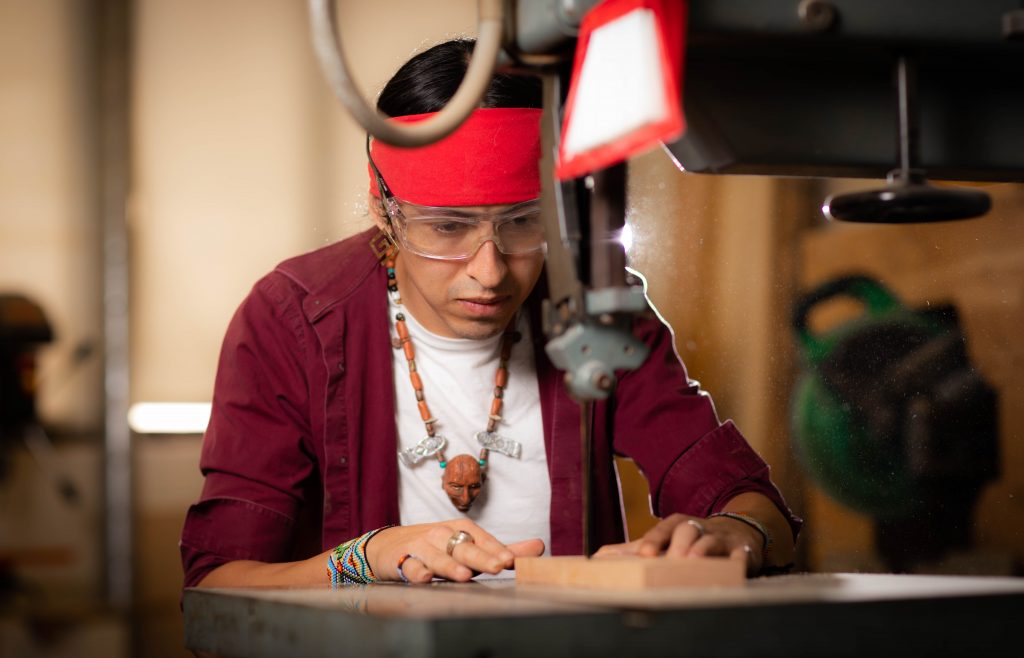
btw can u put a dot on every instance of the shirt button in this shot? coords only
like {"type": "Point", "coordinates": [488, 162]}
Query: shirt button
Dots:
{"type": "Point", "coordinates": [343, 460]}
{"type": "Point", "coordinates": [341, 367]}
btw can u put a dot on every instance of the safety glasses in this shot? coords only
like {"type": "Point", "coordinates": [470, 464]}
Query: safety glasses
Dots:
{"type": "Point", "coordinates": [454, 233]}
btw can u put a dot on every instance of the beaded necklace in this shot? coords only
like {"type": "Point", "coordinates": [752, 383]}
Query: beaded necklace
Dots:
{"type": "Point", "coordinates": [463, 476]}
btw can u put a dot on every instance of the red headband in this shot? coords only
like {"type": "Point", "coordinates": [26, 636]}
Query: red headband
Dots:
{"type": "Point", "coordinates": [492, 158]}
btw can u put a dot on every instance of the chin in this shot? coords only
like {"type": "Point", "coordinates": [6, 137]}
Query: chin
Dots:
{"type": "Point", "coordinates": [478, 330]}
{"type": "Point", "coordinates": [483, 333]}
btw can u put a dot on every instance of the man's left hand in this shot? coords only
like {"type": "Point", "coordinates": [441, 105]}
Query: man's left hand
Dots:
{"type": "Point", "coordinates": [680, 535]}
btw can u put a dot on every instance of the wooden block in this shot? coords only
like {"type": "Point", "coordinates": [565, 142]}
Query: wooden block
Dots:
{"type": "Point", "coordinates": [630, 573]}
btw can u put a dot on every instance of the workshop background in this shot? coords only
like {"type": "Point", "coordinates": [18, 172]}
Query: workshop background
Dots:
{"type": "Point", "coordinates": [227, 153]}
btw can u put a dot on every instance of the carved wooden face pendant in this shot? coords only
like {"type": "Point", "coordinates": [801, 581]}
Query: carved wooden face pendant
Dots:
{"type": "Point", "coordinates": [462, 481]}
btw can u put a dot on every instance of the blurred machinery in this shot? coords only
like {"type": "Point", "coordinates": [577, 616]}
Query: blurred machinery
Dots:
{"type": "Point", "coordinates": [23, 330]}
{"type": "Point", "coordinates": [891, 419]}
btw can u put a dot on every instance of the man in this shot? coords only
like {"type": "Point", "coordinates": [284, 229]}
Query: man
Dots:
{"type": "Point", "coordinates": [384, 408]}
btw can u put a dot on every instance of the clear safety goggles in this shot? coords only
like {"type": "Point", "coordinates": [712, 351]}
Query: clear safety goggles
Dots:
{"type": "Point", "coordinates": [453, 233]}
{"type": "Point", "coordinates": [456, 233]}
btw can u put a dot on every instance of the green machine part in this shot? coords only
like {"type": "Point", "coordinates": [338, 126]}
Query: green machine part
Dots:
{"type": "Point", "coordinates": [836, 408]}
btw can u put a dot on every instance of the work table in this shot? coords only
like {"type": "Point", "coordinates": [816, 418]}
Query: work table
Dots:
{"type": "Point", "coordinates": [794, 615]}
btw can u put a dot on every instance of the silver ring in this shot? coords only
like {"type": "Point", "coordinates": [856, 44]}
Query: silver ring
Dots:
{"type": "Point", "coordinates": [458, 538]}
{"type": "Point", "coordinates": [698, 526]}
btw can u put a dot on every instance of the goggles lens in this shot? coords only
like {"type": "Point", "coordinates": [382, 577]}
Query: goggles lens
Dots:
{"type": "Point", "coordinates": [455, 233]}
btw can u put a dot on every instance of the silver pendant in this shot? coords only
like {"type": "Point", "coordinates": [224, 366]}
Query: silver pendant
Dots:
{"type": "Point", "coordinates": [497, 443]}
{"type": "Point", "coordinates": [427, 447]}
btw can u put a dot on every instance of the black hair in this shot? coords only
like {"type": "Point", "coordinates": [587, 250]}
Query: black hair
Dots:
{"type": "Point", "coordinates": [428, 81]}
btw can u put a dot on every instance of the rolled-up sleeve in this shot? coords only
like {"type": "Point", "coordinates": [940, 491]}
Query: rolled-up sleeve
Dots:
{"type": "Point", "coordinates": [256, 455]}
{"type": "Point", "coordinates": [694, 464]}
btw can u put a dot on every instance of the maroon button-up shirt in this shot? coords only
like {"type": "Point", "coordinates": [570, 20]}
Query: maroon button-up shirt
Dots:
{"type": "Point", "coordinates": [301, 451]}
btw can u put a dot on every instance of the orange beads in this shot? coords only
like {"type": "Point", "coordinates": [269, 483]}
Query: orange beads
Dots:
{"type": "Point", "coordinates": [500, 379]}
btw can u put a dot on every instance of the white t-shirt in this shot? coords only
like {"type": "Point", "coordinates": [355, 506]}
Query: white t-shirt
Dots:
{"type": "Point", "coordinates": [458, 385]}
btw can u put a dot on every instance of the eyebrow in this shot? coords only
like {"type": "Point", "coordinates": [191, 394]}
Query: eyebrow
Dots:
{"type": "Point", "coordinates": [523, 206]}
{"type": "Point", "coordinates": [455, 212]}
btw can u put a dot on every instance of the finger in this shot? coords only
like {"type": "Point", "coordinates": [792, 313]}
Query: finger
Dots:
{"type": "Point", "coordinates": [683, 537]}
{"type": "Point", "coordinates": [708, 545]}
{"type": "Point", "coordinates": [527, 548]}
{"type": "Point", "coordinates": [611, 550]}
{"type": "Point", "coordinates": [484, 540]}
{"type": "Point", "coordinates": [438, 562]}
{"type": "Point", "coordinates": [743, 552]}
{"type": "Point", "coordinates": [416, 571]}
{"type": "Point", "coordinates": [477, 559]}
{"type": "Point", "coordinates": [746, 553]}
{"type": "Point", "coordinates": [657, 538]}
{"type": "Point", "coordinates": [482, 552]}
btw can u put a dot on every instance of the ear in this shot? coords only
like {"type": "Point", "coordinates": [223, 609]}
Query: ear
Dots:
{"type": "Point", "coordinates": [377, 214]}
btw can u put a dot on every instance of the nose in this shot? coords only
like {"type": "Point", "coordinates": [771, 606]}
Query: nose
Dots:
{"type": "Point", "coordinates": [487, 266]}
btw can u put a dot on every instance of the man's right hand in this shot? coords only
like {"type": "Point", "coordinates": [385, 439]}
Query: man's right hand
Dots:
{"type": "Point", "coordinates": [427, 544]}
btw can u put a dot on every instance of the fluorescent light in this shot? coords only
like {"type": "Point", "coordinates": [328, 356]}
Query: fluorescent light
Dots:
{"type": "Point", "coordinates": [169, 417]}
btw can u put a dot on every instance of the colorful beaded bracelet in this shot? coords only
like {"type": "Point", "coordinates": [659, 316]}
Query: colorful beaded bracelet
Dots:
{"type": "Point", "coordinates": [347, 564]}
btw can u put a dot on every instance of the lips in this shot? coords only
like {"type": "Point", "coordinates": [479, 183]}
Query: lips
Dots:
{"type": "Point", "coordinates": [484, 306]}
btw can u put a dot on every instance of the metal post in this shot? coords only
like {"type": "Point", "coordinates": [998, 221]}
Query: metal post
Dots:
{"type": "Point", "coordinates": [607, 217]}
{"type": "Point", "coordinates": [906, 91]}
{"type": "Point", "coordinates": [113, 51]}
{"type": "Point", "coordinates": [586, 465]}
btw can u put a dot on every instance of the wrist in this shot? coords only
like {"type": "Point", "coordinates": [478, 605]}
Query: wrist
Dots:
{"type": "Point", "coordinates": [752, 523]}
{"type": "Point", "coordinates": [349, 563]}
{"type": "Point", "coordinates": [374, 549]}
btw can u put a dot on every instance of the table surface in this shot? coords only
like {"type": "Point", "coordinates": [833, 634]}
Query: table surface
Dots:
{"type": "Point", "coordinates": [802, 614]}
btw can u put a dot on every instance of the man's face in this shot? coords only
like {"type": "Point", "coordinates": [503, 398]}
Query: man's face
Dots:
{"type": "Point", "coordinates": [473, 298]}
{"type": "Point", "coordinates": [462, 480]}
